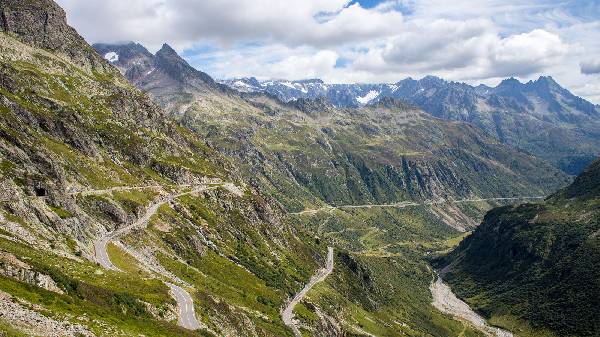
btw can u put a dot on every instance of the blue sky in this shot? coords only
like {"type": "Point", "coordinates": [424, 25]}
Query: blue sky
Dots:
{"type": "Point", "coordinates": [367, 3]}
{"type": "Point", "coordinates": [363, 40]}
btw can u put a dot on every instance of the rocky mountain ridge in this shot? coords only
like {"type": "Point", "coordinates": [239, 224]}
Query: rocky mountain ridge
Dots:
{"type": "Point", "coordinates": [539, 116]}
{"type": "Point", "coordinates": [165, 76]}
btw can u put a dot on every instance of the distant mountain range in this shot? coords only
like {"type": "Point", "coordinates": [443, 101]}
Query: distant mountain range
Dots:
{"type": "Point", "coordinates": [337, 155]}
{"type": "Point", "coordinates": [539, 116]}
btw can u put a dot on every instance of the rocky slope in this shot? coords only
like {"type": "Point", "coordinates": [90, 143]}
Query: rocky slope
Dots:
{"type": "Point", "coordinates": [535, 268]}
{"type": "Point", "coordinates": [539, 116]}
{"type": "Point", "coordinates": [165, 76]}
{"type": "Point", "coordinates": [82, 153]}
{"type": "Point", "coordinates": [309, 152]}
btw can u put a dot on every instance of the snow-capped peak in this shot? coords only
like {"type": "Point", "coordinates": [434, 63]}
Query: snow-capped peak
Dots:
{"type": "Point", "coordinates": [111, 57]}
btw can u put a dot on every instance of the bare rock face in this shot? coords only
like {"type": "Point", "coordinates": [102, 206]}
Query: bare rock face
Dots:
{"type": "Point", "coordinates": [44, 24]}
{"type": "Point", "coordinates": [11, 266]}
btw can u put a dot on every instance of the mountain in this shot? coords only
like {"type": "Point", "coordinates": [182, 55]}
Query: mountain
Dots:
{"type": "Point", "coordinates": [165, 76]}
{"type": "Point", "coordinates": [539, 116]}
{"type": "Point", "coordinates": [308, 151]}
{"type": "Point", "coordinates": [113, 216]}
{"type": "Point", "coordinates": [535, 268]}
{"type": "Point", "coordinates": [201, 211]}
{"type": "Point", "coordinates": [117, 220]}
{"type": "Point", "coordinates": [310, 155]}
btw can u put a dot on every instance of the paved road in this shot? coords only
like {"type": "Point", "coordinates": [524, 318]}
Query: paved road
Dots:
{"type": "Point", "coordinates": [102, 254]}
{"type": "Point", "coordinates": [405, 204]}
{"type": "Point", "coordinates": [114, 189]}
{"type": "Point", "coordinates": [187, 318]}
{"type": "Point", "coordinates": [287, 314]}
{"type": "Point", "coordinates": [185, 303]}
{"type": "Point", "coordinates": [445, 301]}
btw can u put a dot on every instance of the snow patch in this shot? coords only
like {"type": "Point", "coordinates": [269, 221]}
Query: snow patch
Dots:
{"type": "Point", "coordinates": [244, 87]}
{"type": "Point", "coordinates": [111, 57]}
{"type": "Point", "coordinates": [288, 84]}
{"type": "Point", "coordinates": [300, 87]}
{"type": "Point", "coordinates": [242, 84]}
{"type": "Point", "coordinates": [371, 95]}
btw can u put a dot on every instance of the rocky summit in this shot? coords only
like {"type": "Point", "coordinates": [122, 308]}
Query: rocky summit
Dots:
{"type": "Point", "coordinates": [165, 76]}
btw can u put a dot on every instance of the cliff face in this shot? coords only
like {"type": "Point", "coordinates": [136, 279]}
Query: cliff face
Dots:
{"type": "Point", "coordinates": [43, 24]}
{"type": "Point", "coordinates": [539, 263]}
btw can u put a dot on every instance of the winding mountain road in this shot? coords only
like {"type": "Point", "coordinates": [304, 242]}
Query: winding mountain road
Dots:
{"type": "Point", "coordinates": [101, 251]}
{"type": "Point", "coordinates": [287, 314]}
{"type": "Point", "coordinates": [405, 204]}
{"type": "Point", "coordinates": [186, 315]}
{"type": "Point", "coordinates": [185, 303]}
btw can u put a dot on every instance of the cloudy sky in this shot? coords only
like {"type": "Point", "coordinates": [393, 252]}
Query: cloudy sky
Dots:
{"type": "Point", "coordinates": [343, 41]}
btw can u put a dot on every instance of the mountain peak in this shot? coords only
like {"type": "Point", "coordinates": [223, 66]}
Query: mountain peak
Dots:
{"type": "Point", "coordinates": [430, 79]}
{"type": "Point", "coordinates": [509, 82]}
{"type": "Point", "coordinates": [546, 80]}
{"type": "Point", "coordinates": [43, 24]}
{"type": "Point", "coordinates": [166, 49]}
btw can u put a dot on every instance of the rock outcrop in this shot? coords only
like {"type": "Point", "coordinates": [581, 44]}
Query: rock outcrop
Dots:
{"type": "Point", "coordinates": [43, 24]}
{"type": "Point", "coordinates": [12, 267]}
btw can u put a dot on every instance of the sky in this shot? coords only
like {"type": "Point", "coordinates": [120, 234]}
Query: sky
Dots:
{"type": "Point", "coordinates": [366, 41]}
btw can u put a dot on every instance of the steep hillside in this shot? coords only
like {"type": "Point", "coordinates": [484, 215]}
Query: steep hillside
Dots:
{"type": "Point", "coordinates": [308, 152]}
{"type": "Point", "coordinates": [106, 205]}
{"type": "Point", "coordinates": [539, 116]}
{"type": "Point", "coordinates": [165, 76]}
{"type": "Point", "coordinates": [535, 268]}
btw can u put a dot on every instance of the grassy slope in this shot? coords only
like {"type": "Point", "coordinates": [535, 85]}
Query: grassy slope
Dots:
{"type": "Point", "coordinates": [535, 268]}
{"type": "Point", "coordinates": [377, 154]}
{"type": "Point", "coordinates": [66, 126]}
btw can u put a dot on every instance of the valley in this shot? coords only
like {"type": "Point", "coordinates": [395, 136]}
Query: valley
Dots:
{"type": "Point", "coordinates": [141, 197]}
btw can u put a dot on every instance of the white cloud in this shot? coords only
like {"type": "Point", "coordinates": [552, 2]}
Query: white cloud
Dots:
{"type": "Point", "coordinates": [464, 50]}
{"type": "Point", "coordinates": [526, 54]}
{"type": "Point", "coordinates": [185, 22]}
{"type": "Point", "coordinates": [463, 40]}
